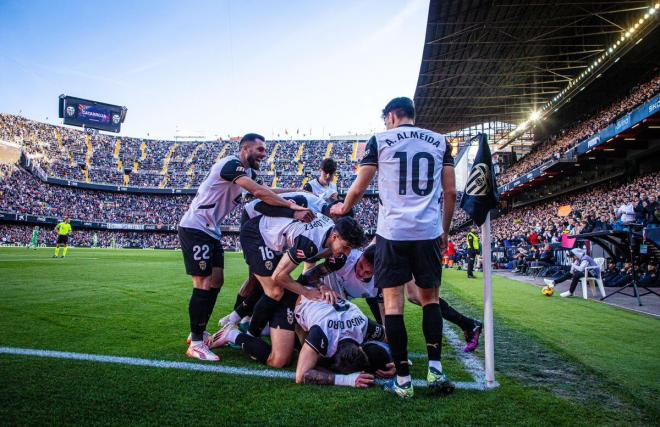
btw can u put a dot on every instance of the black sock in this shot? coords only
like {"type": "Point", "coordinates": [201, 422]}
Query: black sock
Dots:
{"type": "Point", "coordinates": [263, 311]}
{"type": "Point", "coordinates": [214, 297]}
{"type": "Point", "coordinates": [247, 306]}
{"type": "Point", "coordinates": [375, 309]}
{"type": "Point", "coordinates": [432, 328]}
{"type": "Point", "coordinates": [398, 340]}
{"type": "Point", "coordinates": [254, 347]}
{"type": "Point", "coordinates": [198, 310]}
{"type": "Point", "coordinates": [448, 313]}
{"type": "Point", "coordinates": [239, 300]}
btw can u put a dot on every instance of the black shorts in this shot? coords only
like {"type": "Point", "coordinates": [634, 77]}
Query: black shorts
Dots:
{"type": "Point", "coordinates": [284, 317]}
{"type": "Point", "coordinates": [62, 239]}
{"type": "Point", "coordinates": [397, 261]}
{"type": "Point", "coordinates": [201, 252]}
{"type": "Point", "coordinates": [260, 258]}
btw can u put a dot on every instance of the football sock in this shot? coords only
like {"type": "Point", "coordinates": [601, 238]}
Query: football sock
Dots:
{"type": "Point", "coordinates": [263, 311]}
{"type": "Point", "coordinates": [247, 307]}
{"type": "Point", "coordinates": [232, 335]}
{"type": "Point", "coordinates": [254, 347]}
{"type": "Point", "coordinates": [375, 309]}
{"type": "Point", "coordinates": [212, 300]}
{"type": "Point", "coordinates": [57, 251]}
{"type": "Point", "coordinates": [234, 317]}
{"type": "Point", "coordinates": [66, 249]}
{"type": "Point", "coordinates": [398, 340]}
{"type": "Point", "coordinates": [435, 364]}
{"type": "Point", "coordinates": [239, 299]}
{"type": "Point", "coordinates": [454, 316]}
{"type": "Point", "coordinates": [198, 311]}
{"type": "Point", "coordinates": [432, 328]}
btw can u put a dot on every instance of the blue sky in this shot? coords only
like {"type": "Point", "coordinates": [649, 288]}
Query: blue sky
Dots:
{"type": "Point", "coordinates": [214, 67]}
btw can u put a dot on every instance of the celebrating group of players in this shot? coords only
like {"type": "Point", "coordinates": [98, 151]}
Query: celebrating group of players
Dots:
{"type": "Point", "coordinates": [280, 229]}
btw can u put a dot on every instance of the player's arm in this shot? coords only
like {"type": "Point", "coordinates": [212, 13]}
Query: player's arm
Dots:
{"type": "Point", "coordinates": [313, 276]}
{"type": "Point", "coordinates": [266, 194]}
{"type": "Point", "coordinates": [308, 187]}
{"type": "Point", "coordinates": [282, 277]}
{"type": "Point", "coordinates": [368, 168]}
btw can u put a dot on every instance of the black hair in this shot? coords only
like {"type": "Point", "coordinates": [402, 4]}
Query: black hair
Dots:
{"type": "Point", "coordinates": [325, 209]}
{"type": "Point", "coordinates": [377, 356]}
{"type": "Point", "coordinates": [250, 137]}
{"type": "Point", "coordinates": [369, 253]}
{"type": "Point", "coordinates": [329, 166]}
{"type": "Point", "coordinates": [350, 230]}
{"type": "Point", "coordinates": [401, 107]}
{"type": "Point", "coordinates": [349, 358]}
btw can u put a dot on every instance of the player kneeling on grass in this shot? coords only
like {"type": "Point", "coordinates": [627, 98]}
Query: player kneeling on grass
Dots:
{"type": "Point", "coordinates": [263, 240]}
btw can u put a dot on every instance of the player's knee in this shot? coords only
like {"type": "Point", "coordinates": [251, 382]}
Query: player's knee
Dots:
{"type": "Point", "coordinates": [275, 292]}
{"type": "Point", "coordinates": [278, 361]}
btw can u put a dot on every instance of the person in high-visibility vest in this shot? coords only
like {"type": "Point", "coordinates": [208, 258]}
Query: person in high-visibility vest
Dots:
{"type": "Point", "coordinates": [473, 250]}
{"type": "Point", "coordinates": [63, 230]}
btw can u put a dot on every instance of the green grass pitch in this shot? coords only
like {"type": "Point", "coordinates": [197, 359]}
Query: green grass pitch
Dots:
{"type": "Point", "coordinates": [559, 362]}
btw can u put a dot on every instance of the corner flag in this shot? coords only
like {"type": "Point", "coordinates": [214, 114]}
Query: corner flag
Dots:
{"type": "Point", "coordinates": [480, 193]}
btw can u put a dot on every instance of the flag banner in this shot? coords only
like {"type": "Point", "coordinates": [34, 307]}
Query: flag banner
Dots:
{"type": "Point", "coordinates": [480, 189]}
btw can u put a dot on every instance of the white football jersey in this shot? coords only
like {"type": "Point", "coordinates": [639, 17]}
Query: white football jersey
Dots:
{"type": "Point", "coordinates": [216, 196]}
{"type": "Point", "coordinates": [337, 322]}
{"type": "Point", "coordinates": [303, 198]}
{"type": "Point", "coordinates": [302, 241]}
{"type": "Point", "coordinates": [323, 191]}
{"type": "Point", "coordinates": [410, 162]}
{"type": "Point", "coordinates": [343, 280]}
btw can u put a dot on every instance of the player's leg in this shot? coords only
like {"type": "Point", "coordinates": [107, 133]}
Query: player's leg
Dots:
{"type": "Point", "coordinates": [57, 248]}
{"type": "Point", "coordinates": [66, 248]}
{"type": "Point", "coordinates": [246, 299]}
{"type": "Point", "coordinates": [203, 259]}
{"type": "Point", "coordinates": [392, 271]}
{"type": "Point", "coordinates": [427, 271]}
{"type": "Point", "coordinates": [282, 344]}
{"type": "Point", "coordinates": [266, 306]}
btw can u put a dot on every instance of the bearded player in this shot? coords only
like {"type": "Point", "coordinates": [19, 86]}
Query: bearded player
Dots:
{"type": "Point", "coordinates": [199, 231]}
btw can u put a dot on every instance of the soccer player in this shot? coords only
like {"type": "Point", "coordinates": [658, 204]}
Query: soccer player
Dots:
{"type": "Point", "coordinates": [339, 334]}
{"type": "Point", "coordinates": [63, 230]}
{"type": "Point", "coordinates": [264, 239]}
{"type": "Point", "coordinates": [35, 237]}
{"type": "Point", "coordinates": [415, 169]}
{"type": "Point", "coordinates": [323, 186]}
{"type": "Point", "coordinates": [352, 277]}
{"type": "Point", "coordinates": [199, 231]}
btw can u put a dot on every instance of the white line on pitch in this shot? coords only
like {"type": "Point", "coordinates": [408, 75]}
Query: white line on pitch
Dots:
{"type": "Point", "coordinates": [186, 366]}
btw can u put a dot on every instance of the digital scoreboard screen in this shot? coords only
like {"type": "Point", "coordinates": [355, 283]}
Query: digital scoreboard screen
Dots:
{"type": "Point", "coordinates": [91, 114]}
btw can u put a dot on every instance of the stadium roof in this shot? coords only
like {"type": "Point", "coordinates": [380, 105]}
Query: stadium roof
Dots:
{"type": "Point", "coordinates": [502, 60]}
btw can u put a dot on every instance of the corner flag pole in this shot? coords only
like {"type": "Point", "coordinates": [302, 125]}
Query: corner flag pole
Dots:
{"type": "Point", "coordinates": [489, 344]}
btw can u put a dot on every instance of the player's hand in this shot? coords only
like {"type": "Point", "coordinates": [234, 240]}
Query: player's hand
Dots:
{"type": "Point", "coordinates": [303, 216]}
{"type": "Point", "coordinates": [329, 295]}
{"type": "Point", "coordinates": [388, 372]}
{"type": "Point", "coordinates": [313, 294]}
{"type": "Point", "coordinates": [444, 241]}
{"type": "Point", "coordinates": [337, 209]}
{"type": "Point", "coordinates": [364, 380]}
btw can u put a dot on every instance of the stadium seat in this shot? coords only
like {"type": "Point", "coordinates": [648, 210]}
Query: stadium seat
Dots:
{"type": "Point", "coordinates": [593, 280]}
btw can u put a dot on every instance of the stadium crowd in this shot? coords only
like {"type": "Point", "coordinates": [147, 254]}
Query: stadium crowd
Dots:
{"type": "Point", "coordinates": [89, 156]}
{"type": "Point", "coordinates": [558, 144]}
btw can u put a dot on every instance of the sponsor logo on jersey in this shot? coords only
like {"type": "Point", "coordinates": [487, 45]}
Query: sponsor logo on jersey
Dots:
{"type": "Point", "coordinates": [300, 253]}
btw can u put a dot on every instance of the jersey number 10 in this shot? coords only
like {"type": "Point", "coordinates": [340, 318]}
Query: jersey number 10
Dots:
{"type": "Point", "coordinates": [403, 173]}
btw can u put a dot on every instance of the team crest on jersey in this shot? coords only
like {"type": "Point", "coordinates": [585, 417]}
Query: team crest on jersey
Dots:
{"type": "Point", "coordinates": [202, 265]}
{"type": "Point", "coordinates": [289, 316]}
{"type": "Point", "coordinates": [269, 265]}
{"type": "Point", "coordinates": [300, 253]}
{"type": "Point", "coordinates": [479, 181]}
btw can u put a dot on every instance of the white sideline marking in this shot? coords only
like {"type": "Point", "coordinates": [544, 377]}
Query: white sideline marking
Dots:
{"type": "Point", "coordinates": [186, 366]}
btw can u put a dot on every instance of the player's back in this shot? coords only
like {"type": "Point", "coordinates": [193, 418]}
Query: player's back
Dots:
{"type": "Point", "coordinates": [410, 161]}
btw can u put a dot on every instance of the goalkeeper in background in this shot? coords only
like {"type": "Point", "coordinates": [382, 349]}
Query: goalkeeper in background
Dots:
{"type": "Point", "coordinates": [35, 238]}
{"type": "Point", "coordinates": [63, 230]}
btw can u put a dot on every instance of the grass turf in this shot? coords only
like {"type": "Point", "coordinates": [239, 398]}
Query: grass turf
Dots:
{"type": "Point", "coordinates": [134, 303]}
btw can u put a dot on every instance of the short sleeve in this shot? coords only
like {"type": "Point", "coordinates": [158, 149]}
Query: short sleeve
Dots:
{"type": "Point", "coordinates": [370, 153]}
{"type": "Point", "coordinates": [303, 249]}
{"type": "Point", "coordinates": [232, 170]}
{"type": "Point", "coordinates": [318, 340]}
{"type": "Point", "coordinates": [308, 187]}
{"type": "Point", "coordinates": [448, 159]}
